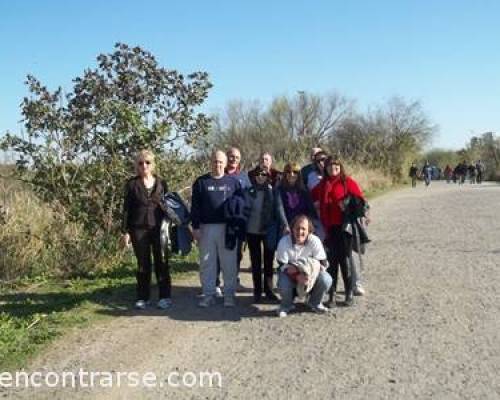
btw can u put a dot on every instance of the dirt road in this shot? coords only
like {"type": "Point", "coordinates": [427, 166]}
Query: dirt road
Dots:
{"type": "Point", "coordinates": [429, 326]}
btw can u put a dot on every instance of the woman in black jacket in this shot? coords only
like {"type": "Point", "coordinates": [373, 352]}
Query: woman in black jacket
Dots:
{"type": "Point", "coordinates": [142, 217]}
{"type": "Point", "coordinates": [260, 199]}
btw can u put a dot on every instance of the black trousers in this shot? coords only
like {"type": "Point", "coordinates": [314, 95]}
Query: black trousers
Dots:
{"type": "Point", "coordinates": [259, 252]}
{"type": "Point", "coordinates": [146, 242]}
{"type": "Point", "coordinates": [339, 249]}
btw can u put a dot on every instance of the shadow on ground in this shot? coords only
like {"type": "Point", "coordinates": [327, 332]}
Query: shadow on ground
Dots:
{"type": "Point", "coordinates": [117, 300]}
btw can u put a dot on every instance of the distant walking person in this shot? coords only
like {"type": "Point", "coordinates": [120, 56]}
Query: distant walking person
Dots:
{"type": "Point", "coordinates": [209, 221]}
{"type": "Point", "coordinates": [142, 217]}
{"type": "Point", "coordinates": [461, 172]}
{"type": "Point", "coordinates": [448, 173]}
{"type": "Point", "coordinates": [427, 173]}
{"type": "Point", "coordinates": [413, 174]}
{"type": "Point", "coordinates": [479, 171]}
{"type": "Point", "coordinates": [472, 173]}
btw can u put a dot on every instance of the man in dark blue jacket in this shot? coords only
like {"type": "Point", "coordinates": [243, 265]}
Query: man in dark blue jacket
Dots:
{"type": "Point", "coordinates": [210, 193]}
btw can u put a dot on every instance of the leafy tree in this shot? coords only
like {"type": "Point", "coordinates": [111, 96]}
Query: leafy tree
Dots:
{"type": "Point", "coordinates": [79, 145]}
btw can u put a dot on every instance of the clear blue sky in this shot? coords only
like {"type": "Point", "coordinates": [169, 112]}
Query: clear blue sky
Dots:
{"type": "Point", "coordinates": [445, 53]}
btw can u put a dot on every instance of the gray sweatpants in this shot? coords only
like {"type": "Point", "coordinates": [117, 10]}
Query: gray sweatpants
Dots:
{"type": "Point", "coordinates": [212, 247]}
{"type": "Point", "coordinates": [356, 269]}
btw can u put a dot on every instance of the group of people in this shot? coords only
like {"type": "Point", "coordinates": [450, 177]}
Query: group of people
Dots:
{"type": "Point", "coordinates": [462, 171]}
{"type": "Point", "coordinates": [301, 224]}
{"type": "Point", "coordinates": [473, 171]}
{"type": "Point", "coordinates": [426, 173]}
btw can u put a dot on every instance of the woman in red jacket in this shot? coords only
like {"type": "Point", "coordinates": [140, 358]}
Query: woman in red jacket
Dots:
{"type": "Point", "coordinates": [331, 192]}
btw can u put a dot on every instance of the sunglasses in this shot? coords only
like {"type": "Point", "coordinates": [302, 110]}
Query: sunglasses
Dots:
{"type": "Point", "coordinates": [322, 159]}
{"type": "Point", "coordinates": [263, 174]}
{"type": "Point", "coordinates": [147, 162]}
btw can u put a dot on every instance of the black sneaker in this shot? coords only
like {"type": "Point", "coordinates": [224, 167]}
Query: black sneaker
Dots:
{"type": "Point", "coordinates": [332, 301]}
{"type": "Point", "coordinates": [349, 300]}
{"type": "Point", "coordinates": [270, 296]}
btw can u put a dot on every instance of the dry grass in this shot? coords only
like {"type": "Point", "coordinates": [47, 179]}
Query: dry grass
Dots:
{"type": "Point", "coordinates": [371, 181]}
{"type": "Point", "coordinates": [34, 239]}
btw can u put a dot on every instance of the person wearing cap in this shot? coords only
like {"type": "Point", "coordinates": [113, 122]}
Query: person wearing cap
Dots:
{"type": "Point", "coordinates": [292, 198]}
{"type": "Point", "coordinates": [260, 199]}
{"type": "Point", "coordinates": [307, 169]}
{"type": "Point", "coordinates": [210, 193]}
{"type": "Point", "coordinates": [318, 170]}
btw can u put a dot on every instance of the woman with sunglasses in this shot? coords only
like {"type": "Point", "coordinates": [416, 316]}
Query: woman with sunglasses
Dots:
{"type": "Point", "coordinates": [260, 198]}
{"type": "Point", "coordinates": [331, 193]}
{"type": "Point", "coordinates": [142, 217]}
{"type": "Point", "coordinates": [292, 198]}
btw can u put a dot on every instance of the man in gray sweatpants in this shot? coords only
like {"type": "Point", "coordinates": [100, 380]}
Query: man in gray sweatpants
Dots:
{"type": "Point", "coordinates": [210, 193]}
{"type": "Point", "coordinates": [212, 247]}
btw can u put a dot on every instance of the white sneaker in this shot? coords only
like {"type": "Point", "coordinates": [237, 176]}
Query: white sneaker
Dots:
{"type": "Point", "coordinates": [141, 304]}
{"type": "Point", "coordinates": [218, 292]}
{"type": "Point", "coordinates": [229, 301]}
{"type": "Point", "coordinates": [358, 290]}
{"type": "Point", "coordinates": [206, 302]}
{"type": "Point", "coordinates": [320, 309]}
{"type": "Point", "coordinates": [164, 303]}
{"type": "Point", "coordinates": [283, 312]}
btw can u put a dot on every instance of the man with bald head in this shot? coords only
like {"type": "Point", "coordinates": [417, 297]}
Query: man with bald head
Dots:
{"type": "Point", "coordinates": [210, 192]}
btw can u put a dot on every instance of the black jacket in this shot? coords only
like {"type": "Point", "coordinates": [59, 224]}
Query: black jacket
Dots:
{"type": "Point", "coordinates": [141, 211]}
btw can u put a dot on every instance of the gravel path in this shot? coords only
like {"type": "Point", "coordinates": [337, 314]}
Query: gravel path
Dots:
{"type": "Point", "coordinates": [429, 326]}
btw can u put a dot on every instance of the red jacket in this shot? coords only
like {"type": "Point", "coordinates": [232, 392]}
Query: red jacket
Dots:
{"type": "Point", "coordinates": [330, 192]}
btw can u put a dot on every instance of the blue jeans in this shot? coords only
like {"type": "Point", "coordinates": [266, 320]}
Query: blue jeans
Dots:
{"type": "Point", "coordinates": [286, 287]}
